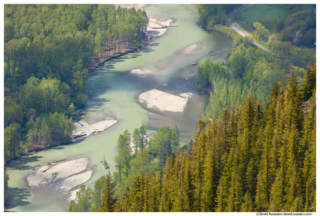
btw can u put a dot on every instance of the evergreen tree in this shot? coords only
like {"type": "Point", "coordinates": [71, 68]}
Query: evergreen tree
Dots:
{"type": "Point", "coordinates": [309, 85]}
{"type": "Point", "coordinates": [108, 199]}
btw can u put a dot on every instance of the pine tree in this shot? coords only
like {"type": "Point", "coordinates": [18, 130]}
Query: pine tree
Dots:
{"type": "Point", "coordinates": [247, 205]}
{"type": "Point", "coordinates": [155, 192]}
{"type": "Point", "coordinates": [137, 194]}
{"type": "Point", "coordinates": [96, 194]}
{"type": "Point", "coordinates": [210, 181]}
{"type": "Point", "coordinates": [108, 199]}
{"type": "Point", "coordinates": [309, 85]}
{"type": "Point", "coordinates": [222, 194]}
{"type": "Point", "coordinates": [278, 193]}
{"type": "Point", "coordinates": [123, 203]}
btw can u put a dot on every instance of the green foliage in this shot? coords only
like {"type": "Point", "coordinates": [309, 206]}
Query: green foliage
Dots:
{"type": "Point", "coordinates": [12, 138]}
{"type": "Point", "coordinates": [261, 31]}
{"type": "Point", "coordinates": [163, 142]}
{"type": "Point", "coordinates": [301, 21]}
{"type": "Point", "coordinates": [148, 158]}
{"type": "Point", "coordinates": [310, 37]}
{"type": "Point", "coordinates": [209, 71]}
{"type": "Point", "coordinates": [252, 159]}
{"type": "Point", "coordinates": [82, 202]}
{"type": "Point", "coordinates": [97, 194]}
{"type": "Point", "coordinates": [47, 53]}
{"type": "Point", "coordinates": [249, 69]}
{"type": "Point", "coordinates": [266, 14]}
{"type": "Point", "coordinates": [124, 154]}
{"type": "Point", "coordinates": [290, 23]}
{"type": "Point", "coordinates": [49, 130]}
{"type": "Point", "coordinates": [210, 15]}
{"type": "Point", "coordinates": [278, 26]}
{"type": "Point", "coordinates": [309, 86]}
{"type": "Point", "coordinates": [108, 200]}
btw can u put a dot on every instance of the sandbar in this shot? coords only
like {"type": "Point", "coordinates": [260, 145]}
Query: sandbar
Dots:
{"type": "Point", "coordinates": [46, 174]}
{"type": "Point", "coordinates": [83, 129]}
{"type": "Point", "coordinates": [163, 101]}
{"type": "Point", "coordinates": [75, 180]}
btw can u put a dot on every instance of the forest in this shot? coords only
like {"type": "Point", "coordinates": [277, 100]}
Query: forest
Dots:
{"type": "Point", "coordinates": [253, 150]}
{"type": "Point", "coordinates": [298, 29]}
{"type": "Point", "coordinates": [47, 53]}
{"type": "Point", "coordinates": [247, 69]}
{"type": "Point", "coordinates": [252, 158]}
{"type": "Point", "coordinates": [210, 15]}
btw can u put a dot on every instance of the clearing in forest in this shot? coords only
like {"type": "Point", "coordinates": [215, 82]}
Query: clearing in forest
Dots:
{"type": "Point", "coordinates": [267, 15]}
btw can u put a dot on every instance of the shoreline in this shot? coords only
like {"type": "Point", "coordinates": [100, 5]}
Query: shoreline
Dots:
{"type": "Point", "coordinates": [155, 29]}
{"type": "Point", "coordinates": [60, 176]}
{"type": "Point", "coordinates": [83, 129]}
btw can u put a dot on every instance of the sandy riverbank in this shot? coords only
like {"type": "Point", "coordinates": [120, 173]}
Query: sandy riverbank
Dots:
{"type": "Point", "coordinates": [157, 27]}
{"type": "Point", "coordinates": [61, 176]}
{"type": "Point", "coordinates": [83, 129]}
{"type": "Point", "coordinates": [163, 101]}
{"type": "Point", "coordinates": [75, 180]}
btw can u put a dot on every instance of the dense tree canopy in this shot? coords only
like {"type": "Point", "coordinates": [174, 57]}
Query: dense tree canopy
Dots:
{"type": "Point", "coordinates": [247, 69]}
{"type": "Point", "coordinates": [212, 14]}
{"type": "Point", "coordinates": [47, 52]}
{"type": "Point", "coordinates": [299, 27]}
{"type": "Point", "coordinates": [252, 159]}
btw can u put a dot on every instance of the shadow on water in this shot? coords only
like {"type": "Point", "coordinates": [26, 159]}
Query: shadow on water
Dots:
{"type": "Point", "coordinates": [147, 50]}
{"type": "Point", "coordinates": [94, 102]}
{"type": "Point", "coordinates": [18, 197]}
{"type": "Point", "coordinates": [21, 163]}
{"type": "Point", "coordinates": [58, 148]}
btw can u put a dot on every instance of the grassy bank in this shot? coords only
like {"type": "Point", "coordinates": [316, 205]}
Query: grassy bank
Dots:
{"type": "Point", "coordinates": [267, 15]}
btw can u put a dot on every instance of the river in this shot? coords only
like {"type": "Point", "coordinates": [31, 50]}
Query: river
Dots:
{"type": "Point", "coordinates": [113, 91]}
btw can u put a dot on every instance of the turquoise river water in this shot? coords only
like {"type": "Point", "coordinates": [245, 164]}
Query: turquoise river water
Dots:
{"type": "Point", "coordinates": [113, 91]}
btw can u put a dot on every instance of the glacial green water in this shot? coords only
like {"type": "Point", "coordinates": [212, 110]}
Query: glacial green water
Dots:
{"type": "Point", "coordinates": [113, 91]}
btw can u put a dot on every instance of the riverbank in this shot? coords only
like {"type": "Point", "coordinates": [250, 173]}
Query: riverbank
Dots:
{"type": "Point", "coordinates": [62, 176]}
{"type": "Point", "coordinates": [222, 29]}
{"type": "Point", "coordinates": [83, 129]}
{"type": "Point", "coordinates": [155, 29]}
{"type": "Point", "coordinates": [116, 95]}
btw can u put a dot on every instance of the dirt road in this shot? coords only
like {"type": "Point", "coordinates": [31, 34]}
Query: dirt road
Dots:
{"type": "Point", "coordinates": [242, 32]}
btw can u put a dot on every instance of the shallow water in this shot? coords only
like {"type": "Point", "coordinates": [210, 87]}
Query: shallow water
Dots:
{"type": "Point", "coordinates": [113, 91]}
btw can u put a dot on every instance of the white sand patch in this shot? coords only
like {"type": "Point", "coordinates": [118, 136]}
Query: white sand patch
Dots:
{"type": "Point", "coordinates": [144, 71]}
{"type": "Point", "coordinates": [45, 174]}
{"type": "Point", "coordinates": [73, 195]}
{"type": "Point", "coordinates": [190, 49]}
{"type": "Point", "coordinates": [83, 129]}
{"type": "Point", "coordinates": [163, 101]}
{"type": "Point", "coordinates": [156, 27]}
{"type": "Point", "coordinates": [75, 180]}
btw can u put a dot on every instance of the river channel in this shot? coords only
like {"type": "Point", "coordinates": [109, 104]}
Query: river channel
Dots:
{"type": "Point", "coordinates": [113, 91]}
